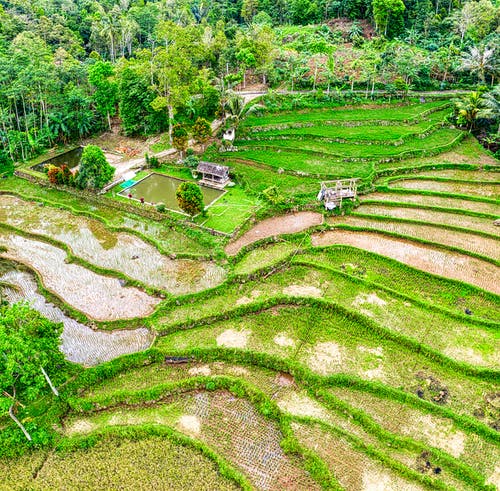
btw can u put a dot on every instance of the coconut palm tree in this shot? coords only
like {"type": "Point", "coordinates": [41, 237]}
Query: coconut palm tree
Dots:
{"type": "Point", "coordinates": [470, 108]}
{"type": "Point", "coordinates": [491, 102]}
{"type": "Point", "coordinates": [237, 110]}
{"type": "Point", "coordinates": [479, 60]}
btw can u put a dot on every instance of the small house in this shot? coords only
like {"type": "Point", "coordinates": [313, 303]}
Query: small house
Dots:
{"type": "Point", "coordinates": [213, 175]}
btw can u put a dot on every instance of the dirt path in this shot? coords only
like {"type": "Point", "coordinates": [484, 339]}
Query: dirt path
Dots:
{"type": "Point", "coordinates": [284, 224]}
{"type": "Point", "coordinates": [435, 261]}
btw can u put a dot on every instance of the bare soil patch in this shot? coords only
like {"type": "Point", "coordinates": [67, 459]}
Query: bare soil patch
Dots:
{"type": "Point", "coordinates": [326, 358]}
{"type": "Point", "coordinates": [233, 339]}
{"type": "Point", "coordinates": [371, 298]}
{"type": "Point", "coordinates": [204, 370]}
{"type": "Point", "coordinates": [282, 339]}
{"type": "Point", "coordinates": [80, 426]}
{"type": "Point", "coordinates": [432, 260]}
{"type": "Point", "coordinates": [189, 424]}
{"type": "Point", "coordinates": [302, 291]}
{"type": "Point", "coordinates": [271, 227]}
{"type": "Point", "coordinates": [301, 405]}
{"type": "Point", "coordinates": [249, 299]}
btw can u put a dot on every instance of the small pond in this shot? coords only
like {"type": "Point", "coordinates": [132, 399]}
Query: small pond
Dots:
{"type": "Point", "coordinates": [70, 158]}
{"type": "Point", "coordinates": [157, 188]}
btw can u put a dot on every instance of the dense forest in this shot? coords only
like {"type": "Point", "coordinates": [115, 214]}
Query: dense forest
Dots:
{"type": "Point", "coordinates": [71, 68]}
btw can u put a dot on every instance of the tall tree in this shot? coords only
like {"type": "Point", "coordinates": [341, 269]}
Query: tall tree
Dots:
{"type": "Point", "coordinates": [95, 171]}
{"type": "Point", "coordinates": [29, 351]}
{"type": "Point", "coordinates": [388, 15]}
{"type": "Point", "coordinates": [106, 89]}
{"type": "Point", "coordinates": [173, 69]}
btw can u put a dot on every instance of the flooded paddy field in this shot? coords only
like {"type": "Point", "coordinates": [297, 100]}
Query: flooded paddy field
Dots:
{"type": "Point", "coordinates": [79, 343]}
{"type": "Point", "coordinates": [99, 297]}
{"type": "Point", "coordinates": [89, 239]}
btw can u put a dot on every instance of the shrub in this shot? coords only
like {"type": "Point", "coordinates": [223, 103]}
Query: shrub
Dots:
{"type": "Point", "coordinates": [154, 162]}
{"type": "Point", "coordinates": [191, 161]}
{"type": "Point", "coordinates": [6, 164]}
{"type": "Point", "coordinates": [95, 171]}
{"type": "Point", "coordinates": [54, 174]}
{"type": "Point", "coordinates": [161, 207]}
{"type": "Point", "coordinates": [273, 195]}
{"type": "Point", "coordinates": [190, 198]}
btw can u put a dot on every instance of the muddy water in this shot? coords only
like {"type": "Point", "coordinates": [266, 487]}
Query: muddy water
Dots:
{"type": "Point", "coordinates": [127, 253]}
{"type": "Point", "coordinates": [99, 297]}
{"type": "Point", "coordinates": [71, 159]}
{"type": "Point", "coordinates": [444, 263]}
{"type": "Point", "coordinates": [161, 189]}
{"type": "Point", "coordinates": [79, 343]}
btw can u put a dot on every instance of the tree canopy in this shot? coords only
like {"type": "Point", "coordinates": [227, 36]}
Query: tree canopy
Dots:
{"type": "Point", "coordinates": [66, 73]}
{"type": "Point", "coordinates": [95, 171]}
{"type": "Point", "coordinates": [190, 198]}
{"type": "Point", "coordinates": [29, 351]}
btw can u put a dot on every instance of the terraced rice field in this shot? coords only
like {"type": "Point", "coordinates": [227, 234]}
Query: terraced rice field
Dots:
{"type": "Point", "coordinates": [481, 190]}
{"type": "Point", "coordinates": [470, 223]}
{"type": "Point", "coordinates": [489, 208]}
{"type": "Point", "coordinates": [79, 343]}
{"type": "Point", "coordinates": [313, 351]}
{"type": "Point", "coordinates": [440, 262]}
{"type": "Point", "coordinates": [97, 296]}
{"type": "Point", "coordinates": [343, 142]}
{"type": "Point", "coordinates": [483, 246]}
{"type": "Point", "coordinates": [90, 240]}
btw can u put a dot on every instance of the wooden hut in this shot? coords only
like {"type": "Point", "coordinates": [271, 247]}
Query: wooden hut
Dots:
{"type": "Point", "coordinates": [213, 175]}
{"type": "Point", "coordinates": [334, 192]}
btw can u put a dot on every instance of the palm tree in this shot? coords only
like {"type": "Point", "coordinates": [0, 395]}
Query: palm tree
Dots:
{"type": "Point", "coordinates": [491, 102]}
{"type": "Point", "coordinates": [479, 60]}
{"type": "Point", "coordinates": [469, 108]}
{"type": "Point", "coordinates": [237, 110]}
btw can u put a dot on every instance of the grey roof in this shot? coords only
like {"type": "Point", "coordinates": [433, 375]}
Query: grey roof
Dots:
{"type": "Point", "coordinates": [214, 169]}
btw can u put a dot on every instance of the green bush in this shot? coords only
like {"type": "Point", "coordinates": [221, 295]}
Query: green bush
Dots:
{"type": "Point", "coordinates": [6, 164]}
{"type": "Point", "coordinates": [190, 198]}
{"type": "Point", "coordinates": [95, 171]}
{"type": "Point", "coordinates": [191, 161]}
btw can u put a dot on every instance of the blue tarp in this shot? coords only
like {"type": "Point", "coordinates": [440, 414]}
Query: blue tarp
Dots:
{"type": "Point", "coordinates": [127, 184]}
